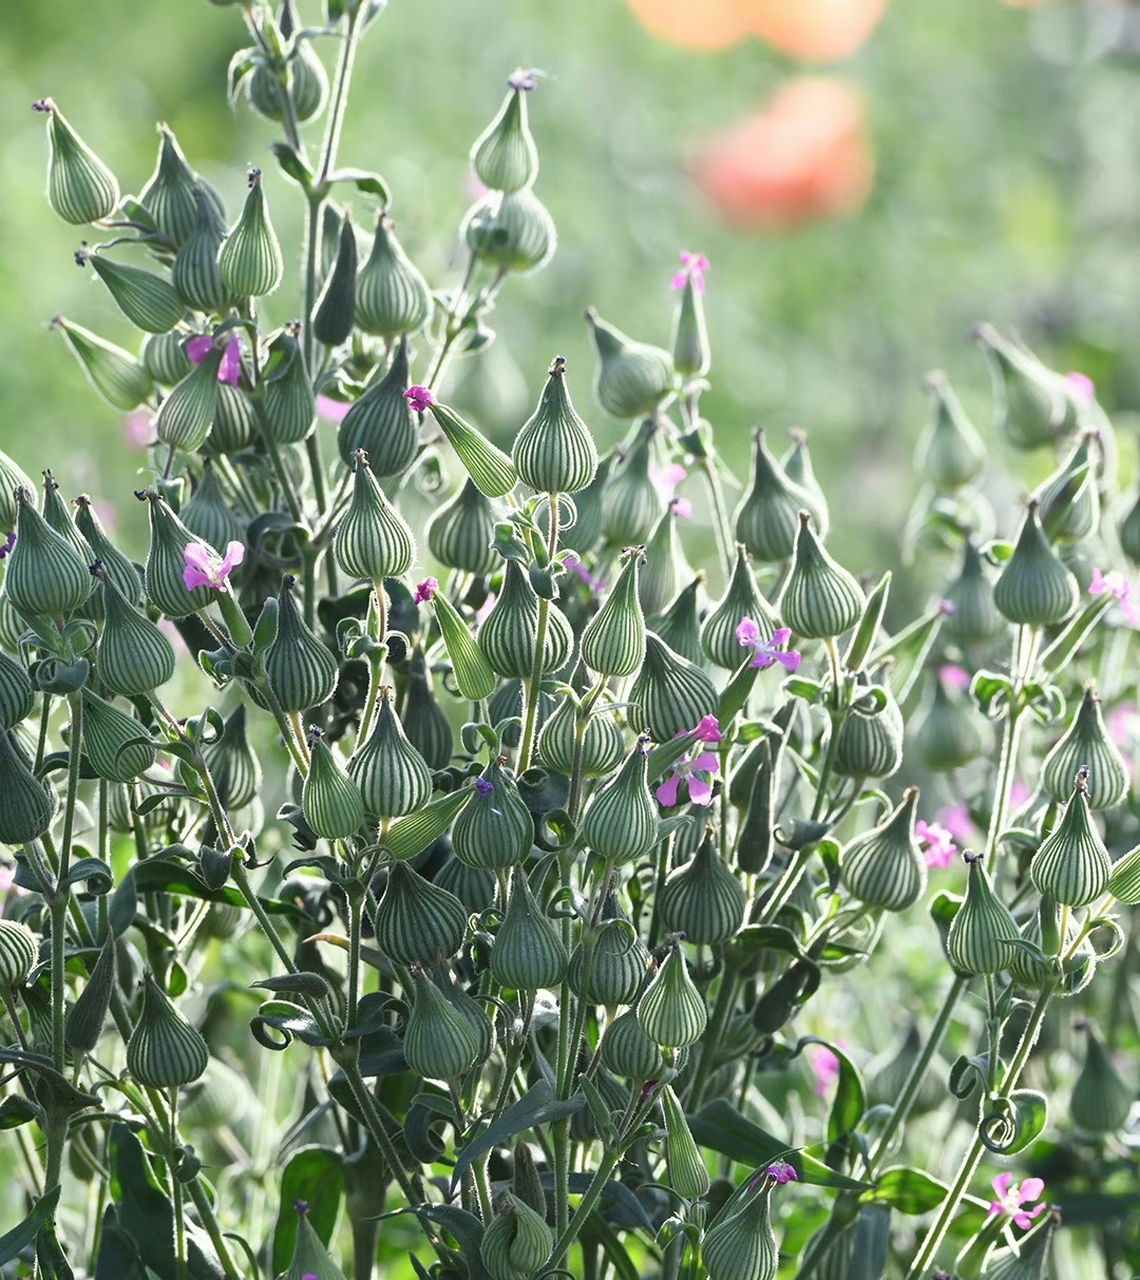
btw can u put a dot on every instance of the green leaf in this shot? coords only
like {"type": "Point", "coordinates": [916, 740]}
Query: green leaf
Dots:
{"type": "Point", "coordinates": [907, 1190]}
{"type": "Point", "coordinates": [850, 1096]}
{"type": "Point", "coordinates": [16, 1110]}
{"type": "Point", "coordinates": [869, 625]}
{"type": "Point", "coordinates": [992, 693]}
{"type": "Point", "coordinates": [369, 184]}
{"type": "Point", "coordinates": [14, 1242]}
{"type": "Point", "coordinates": [413, 834]}
{"type": "Point", "coordinates": [872, 1243]}
{"type": "Point", "coordinates": [292, 166]}
{"type": "Point", "coordinates": [1070, 640]}
{"type": "Point", "coordinates": [907, 653]}
{"type": "Point", "coordinates": [316, 1176]}
{"type": "Point", "coordinates": [1014, 1122]}
{"type": "Point", "coordinates": [811, 691]}
{"type": "Point", "coordinates": [736, 693]}
{"type": "Point", "coordinates": [158, 875]}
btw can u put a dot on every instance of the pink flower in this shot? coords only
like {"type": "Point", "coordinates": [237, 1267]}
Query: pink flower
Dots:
{"type": "Point", "coordinates": [825, 1067]}
{"type": "Point", "coordinates": [579, 570]}
{"type": "Point", "coordinates": [485, 608]}
{"type": "Point", "coordinates": [708, 730]}
{"type": "Point", "coordinates": [522, 81]}
{"type": "Point", "coordinates": [1010, 1199]}
{"type": "Point", "coordinates": [419, 398]}
{"type": "Point", "coordinates": [484, 787]}
{"type": "Point", "coordinates": [692, 771]}
{"type": "Point", "coordinates": [781, 1173]}
{"type": "Point", "coordinates": [1019, 794]}
{"type": "Point", "coordinates": [954, 677]}
{"type": "Point", "coordinates": [332, 410]}
{"type": "Point", "coordinates": [8, 543]}
{"type": "Point", "coordinates": [956, 821]}
{"type": "Point", "coordinates": [682, 507]}
{"type": "Point", "coordinates": [693, 267]}
{"type": "Point", "coordinates": [668, 477]}
{"type": "Point", "coordinates": [204, 567]}
{"type": "Point", "coordinates": [937, 844]}
{"type": "Point", "coordinates": [1124, 724]}
{"type": "Point", "coordinates": [1081, 386]}
{"type": "Point", "coordinates": [1118, 586]}
{"type": "Point", "coordinates": [767, 651]}
{"type": "Point", "coordinates": [137, 429]}
{"type": "Point", "coordinates": [425, 590]}
{"type": "Point", "coordinates": [7, 877]}
{"type": "Point", "coordinates": [197, 349]}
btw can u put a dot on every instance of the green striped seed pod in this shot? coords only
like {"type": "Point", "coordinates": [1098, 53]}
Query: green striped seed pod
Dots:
{"type": "Point", "coordinates": [424, 720]}
{"type": "Point", "coordinates": [950, 453]}
{"type": "Point", "coordinates": [1034, 973]}
{"type": "Point", "coordinates": [12, 626]}
{"type": "Point", "coordinates": [150, 302]}
{"type": "Point", "coordinates": [509, 632]}
{"type": "Point", "coordinates": [208, 515]}
{"type": "Point", "coordinates": [495, 828]}
{"type": "Point", "coordinates": [1035, 588]}
{"type": "Point", "coordinates": [372, 541]}
{"type": "Point", "coordinates": [526, 1181]}
{"type": "Point", "coordinates": [741, 599]}
{"type": "Point", "coordinates": [975, 618]}
{"type": "Point", "coordinates": [58, 517]}
{"type": "Point", "coordinates": [507, 701]}
{"type": "Point", "coordinates": [473, 673]}
{"type": "Point", "coordinates": [1101, 1100]}
{"type": "Point", "coordinates": [26, 805]}
{"type": "Point", "coordinates": [233, 763]}
{"type": "Point", "coordinates": [19, 952]}
{"type": "Point", "coordinates": [470, 1010]}
{"type": "Point", "coordinates": [613, 642]}
{"type": "Point", "coordinates": [618, 963]}
{"type": "Point", "coordinates": [702, 898]}
{"type": "Point", "coordinates": [488, 466]}
{"type": "Point", "coordinates": [633, 377]}
{"type": "Point", "coordinates": [884, 867]}
{"type": "Point", "coordinates": [1124, 883]}
{"type": "Point", "coordinates": [382, 424]}
{"type": "Point", "coordinates": [628, 1052]}
{"type": "Point", "coordinates": [517, 1241]}
{"type": "Point", "coordinates": [755, 841]}
{"type": "Point", "coordinates": [163, 357]}
{"type": "Point", "coordinates": [688, 1175]}
{"type": "Point", "coordinates": [474, 886]}
{"type": "Point", "coordinates": [870, 736]}
{"type": "Point", "coordinates": [691, 355]}
{"type": "Point", "coordinates": [116, 745]}
{"type": "Point", "coordinates": [528, 954]}
{"type": "Point", "coordinates": [416, 919]}
{"type": "Point", "coordinates": [17, 697]}
{"type": "Point", "coordinates": [1087, 742]}
{"type": "Point", "coordinates": [118, 567]}
{"type": "Point", "coordinates": [621, 823]}
{"type": "Point", "coordinates": [1070, 504]}
{"type": "Point", "coordinates": [47, 575]}
{"type": "Point", "coordinates": [1030, 1261]}
{"type": "Point", "coordinates": [392, 297]}
{"type": "Point", "coordinates": [583, 535]}
{"type": "Point", "coordinates": [121, 816]}
{"type": "Point", "coordinates": [83, 1027]}
{"type": "Point", "coordinates": [304, 80]}
{"type": "Point", "coordinates": [164, 1050]}
{"type": "Point", "coordinates": [671, 695]}
{"type": "Point", "coordinates": [952, 732]}
{"type": "Point", "coordinates": [310, 1257]}
{"type": "Point", "coordinates": [81, 188]}
{"type": "Point", "coordinates": [114, 373]}
{"type": "Point", "coordinates": [603, 743]}
{"type": "Point", "coordinates": [679, 626]}
{"type": "Point", "coordinates": [187, 414]}
{"type": "Point", "coordinates": [1128, 532]}
{"type": "Point", "coordinates": [12, 478]}
{"type": "Point", "coordinates": [820, 598]}
{"type": "Point", "coordinates": [982, 934]}
{"type": "Point", "coordinates": [461, 532]}
{"type": "Point", "coordinates": [336, 306]}
{"type": "Point", "coordinates": [250, 259]}
{"type": "Point", "coordinates": [1031, 403]}
{"type": "Point", "coordinates": [330, 800]}
{"type": "Point", "coordinates": [504, 156]}
{"type": "Point", "coordinates": [235, 422]}
{"type": "Point", "coordinates": [166, 561]}
{"type": "Point", "coordinates": [391, 774]}
{"type": "Point", "coordinates": [554, 452]}
{"type": "Point", "coordinates": [169, 193]}
{"type": "Point", "coordinates": [631, 503]}
{"type": "Point", "coordinates": [301, 671]}
{"type": "Point", "coordinates": [665, 564]}
{"type": "Point", "coordinates": [439, 1043]}
{"type": "Point", "coordinates": [796, 466]}
{"type": "Point", "coordinates": [290, 407]}
{"type": "Point", "coordinates": [671, 1011]}
{"type": "Point", "coordinates": [742, 1246]}
{"type": "Point", "coordinates": [511, 231]}
{"type": "Point", "coordinates": [767, 521]}
{"type": "Point", "coordinates": [196, 273]}
{"type": "Point", "coordinates": [1072, 863]}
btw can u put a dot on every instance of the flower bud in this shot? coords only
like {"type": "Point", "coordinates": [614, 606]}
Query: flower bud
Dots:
{"type": "Point", "coordinates": [1102, 1100]}
{"type": "Point", "coordinates": [702, 898]}
{"type": "Point", "coordinates": [884, 867]}
{"type": "Point", "coordinates": [114, 373]}
{"type": "Point", "coordinates": [1042, 929]}
{"type": "Point", "coordinates": [512, 231]}
{"type": "Point", "coordinates": [633, 378]}
{"type": "Point", "coordinates": [17, 697]}
{"type": "Point", "coordinates": [981, 937]}
{"type": "Point", "coordinates": [670, 695]}
{"type": "Point", "coordinates": [1069, 502]}
{"type": "Point", "coordinates": [84, 1025]}
{"type": "Point", "coordinates": [12, 478]}
{"type": "Point", "coordinates": [691, 356]}
{"type": "Point", "coordinates": [528, 953]}
{"type": "Point", "coordinates": [301, 671]}
{"type": "Point", "coordinates": [952, 733]}
{"type": "Point", "coordinates": [232, 762]}
{"type": "Point", "coordinates": [1124, 883]}
{"type": "Point", "coordinates": [116, 566]}
{"type": "Point", "coordinates": [250, 259]}
{"type": "Point", "coordinates": [308, 85]}
{"type": "Point", "coordinates": [392, 775]}
{"type": "Point", "coordinates": [631, 503]}
{"type": "Point", "coordinates": [495, 828]}
{"type": "Point", "coordinates": [767, 520]}
{"type": "Point", "coordinates": [526, 1181]}
{"type": "Point", "coordinates": [664, 566]}
{"type": "Point", "coordinates": [26, 805]}
{"type": "Point", "coordinates": [187, 414]}
{"type": "Point", "coordinates": [1031, 403]}
{"type": "Point", "coordinates": [115, 744]}
{"type": "Point", "coordinates": [461, 532]}
{"type": "Point", "coordinates": [148, 301]}
{"type": "Point", "coordinates": [820, 598]}
{"type": "Point", "coordinates": [671, 1011]}
{"type": "Point", "coordinates": [583, 535]}
{"type": "Point", "coordinates": [58, 518]}
{"type": "Point", "coordinates": [742, 1246]}
{"type": "Point", "coordinates": [517, 1241]}
{"type": "Point", "coordinates": [603, 744]}
{"type": "Point", "coordinates": [975, 618]}
{"type": "Point", "coordinates": [1072, 863]}
{"type": "Point", "coordinates": [19, 952]}
{"type": "Point", "coordinates": [330, 800]}
{"type": "Point", "coordinates": [870, 737]}
{"type": "Point", "coordinates": [1087, 742]}
{"type": "Point", "coordinates": [618, 962]}
{"type": "Point", "coordinates": [628, 1052]}
{"type": "Point", "coordinates": [207, 515]}
{"type": "Point", "coordinates": [504, 156]}
{"type": "Point", "coordinates": [554, 452]}
{"type": "Point", "coordinates": [372, 541]}
{"type": "Point", "coordinates": [509, 632]}
{"type": "Point", "coordinates": [235, 423]}
{"type": "Point", "coordinates": [688, 1175]}
{"type": "Point", "coordinates": [392, 297]}
{"type": "Point", "coordinates": [169, 193]}
{"type": "Point", "coordinates": [679, 626]}
{"type": "Point", "coordinates": [950, 453]}
{"type": "Point", "coordinates": [336, 306]}
{"type": "Point", "coordinates": [439, 1043]}
{"type": "Point", "coordinates": [621, 823]}
{"type": "Point", "coordinates": [424, 720]}
{"type": "Point", "coordinates": [290, 407]}
{"type": "Point", "coordinates": [613, 642]}
{"type": "Point", "coordinates": [80, 186]}
{"type": "Point", "coordinates": [164, 1050]}
{"type": "Point", "coordinates": [474, 886]}
{"type": "Point", "coordinates": [473, 673]}
{"type": "Point", "coordinates": [797, 468]}
{"type": "Point", "coordinates": [469, 1009]}
{"type": "Point", "coordinates": [416, 919]}
{"type": "Point", "coordinates": [488, 466]}
{"type": "Point", "coordinates": [166, 561]}
{"type": "Point", "coordinates": [47, 575]}
{"type": "Point", "coordinates": [196, 273]}
{"type": "Point", "coordinates": [310, 1257]}
{"type": "Point", "coordinates": [742, 599]}
{"type": "Point", "coordinates": [381, 423]}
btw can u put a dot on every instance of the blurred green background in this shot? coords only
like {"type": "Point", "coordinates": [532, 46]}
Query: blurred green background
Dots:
{"type": "Point", "coordinates": [1005, 188]}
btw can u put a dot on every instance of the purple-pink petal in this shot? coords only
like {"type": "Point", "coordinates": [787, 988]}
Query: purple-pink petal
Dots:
{"type": "Point", "coordinates": [747, 632]}
{"type": "Point", "coordinates": [230, 368]}
{"type": "Point", "coordinates": [197, 349]}
{"type": "Point", "coordinates": [667, 792]}
{"type": "Point", "coordinates": [419, 398]}
{"type": "Point", "coordinates": [700, 791]}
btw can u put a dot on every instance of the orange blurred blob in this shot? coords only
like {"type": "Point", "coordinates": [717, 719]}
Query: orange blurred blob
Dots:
{"type": "Point", "coordinates": [815, 30]}
{"type": "Point", "coordinates": [806, 155]}
{"type": "Point", "coordinates": [703, 26]}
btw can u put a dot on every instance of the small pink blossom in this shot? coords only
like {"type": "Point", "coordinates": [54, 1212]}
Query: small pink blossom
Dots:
{"type": "Point", "coordinates": [691, 770]}
{"type": "Point", "coordinates": [1011, 1199]}
{"type": "Point", "coordinates": [955, 819]}
{"type": "Point", "coordinates": [579, 570]}
{"type": "Point", "coordinates": [1124, 724]}
{"type": "Point", "coordinates": [825, 1067]}
{"type": "Point", "coordinates": [482, 613]}
{"type": "Point", "coordinates": [1019, 794]}
{"type": "Point", "coordinates": [484, 787]}
{"type": "Point", "coordinates": [8, 543]}
{"type": "Point", "coordinates": [781, 1173]}
{"type": "Point", "coordinates": [954, 677]}
{"type": "Point", "coordinates": [425, 590]}
{"type": "Point", "coordinates": [668, 477]}
{"type": "Point", "coordinates": [1118, 586]}
{"type": "Point", "coordinates": [522, 80]}
{"type": "Point", "coordinates": [682, 507]}
{"type": "Point", "coordinates": [708, 730]}
{"type": "Point", "coordinates": [419, 398]}
{"type": "Point", "coordinates": [7, 877]}
{"type": "Point", "coordinates": [938, 845]}
{"type": "Point", "coordinates": [332, 410]}
{"type": "Point", "coordinates": [767, 651]}
{"type": "Point", "coordinates": [693, 267]}
{"type": "Point", "coordinates": [205, 568]}
{"type": "Point", "coordinates": [137, 429]}
{"type": "Point", "coordinates": [197, 349]}
{"type": "Point", "coordinates": [1081, 386]}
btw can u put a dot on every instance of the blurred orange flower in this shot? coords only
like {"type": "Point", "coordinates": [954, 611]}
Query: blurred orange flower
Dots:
{"type": "Point", "coordinates": [704, 26]}
{"type": "Point", "coordinates": [804, 156]}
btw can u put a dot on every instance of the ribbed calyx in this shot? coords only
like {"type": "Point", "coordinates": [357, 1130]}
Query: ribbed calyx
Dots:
{"type": "Point", "coordinates": [372, 541]}
{"type": "Point", "coordinates": [1102, 1099]}
{"type": "Point", "coordinates": [679, 626]}
{"type": "Point", "coordinates": [509, 632]}
{"type": "Point", "coordinates": [116, 745]}
{"type": "Point", "coordinates": [628, 1052]}
{"type": "Point", "coordinates": [424, 720]}
{"type": "Point", "coordinates": [19, 952]}
{"type": "Point", "coordinates": [301, 671]}
{"type": "Point", "coordinates": [487, 465]}
{"type": "Point", "coordinates": [330, 800]}
{"type": "Point", "coordinates": [528, 953]}
{"type": "Point", "coordinates": [555, 452]}
{"type": "Point", "coordinates": [671, 695]}
{"type": "Point", "coordinates": [196, 273]}
{"type": "Point", "coordinates": [613, 642]}
{"type": "Point", "coordinates": [820, 599]}
{"type": "Point", "coordinates": [504, 156]}
{"type": "Point", "coordinates": [392, 297]}
{"type": "Point", "coordinates": [208, 515]}
{"type": "Point", "coordinates": [1031, 403]}
{"type": "Point", "coordinates": [81, 188]}
{"type": "Point", "coordinates": [47, 575]}
{"type": "Point", "coordinates": [982, 934]}
{"type": "Point", "coordinates": [617, 961]}
{"type": "Point", "coordinates": [742, 1245]}
{"type": "Point", "coordinates": [1035, 588]}
{"type": "Point", "coordinates": [1072, 863]}
{"type": "Point", "coordinates": [164, 1050]}
{"type": "Point", "coordinates": [439, 1043]}
{"type": "Point", "coordinates": [633, 377]}
{"type": "Point", "coordinates": [631, 502]}
{"type": "Point", "coordinates": [381, 423]}
{"type": "Point", "coordinates": [290, 406]}
{"type": "Point", "coordinates": [621, 823]}
{"type": "Point", "coordinates": [603, 743]}
{"type": "Point", "coordinates": [392, 775]}
{"type": "Point", "coordinates": [336, 305]}
{"type": "Point", "coordinates": [767, 520]}
{"type": "Point", "coordinates": [169, 193]}
{"type": "Point", "coordinates": [1087, 742]}
{"type": "Point", "coordinates": [233, 763]}
{"type": "Point", "coordinates": [250, 259]}
{"type": "Point", "coordinates": [461, 532]}
{"type": "Point", "coordinates": [495, 828]}
{"type": "Point", "coordinates": [950, 453]}
{"type": "Point", "coordinates": [870, 736]}
{"type": "Point", "coordinates": [517, 1241]}
{"type": "Point", "coordinates": [1031, 1259]}
{"type": "Point", "coordinates": [114, 373]}
{"type": "Point", "coordinates": [742, 599]}
{"type": "Point", "coordinates": [511, 231]}
{"type": "Point", "coordinates": [17, 698]}
{"type": "Point", "coordinates": [884, 867]}
{"type": "Point", "coordinates": [952, 732]}
{"type": "Point", "coordinates": [702, 899]}
{"type": "Point", "coordinates": [149, 301]}
{"type": "Point", "coordinates": [688, 1175]}
{"type": "Point", "coordinates": [417, 919]}
{"type": "Point", "coordinates": [976, 618]}
{"type": "Point", "coordinates": [671, 1011]}
{"type": "Point", "coordinates": [166, 561]}
{"type": "Point", "coordinates": [1070, 503]}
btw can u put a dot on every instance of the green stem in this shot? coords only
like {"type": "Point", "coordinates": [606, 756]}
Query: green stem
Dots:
{"type": "Point", "coordinates": [534, 684]}
{"type": "Point", "coordinates": [720, 511]}
{"type": "Point", "coordinates": [568, 1233]}
{"type": "Point", "coordinates": [714, 1035]}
